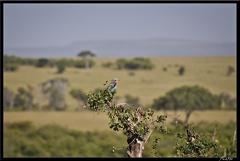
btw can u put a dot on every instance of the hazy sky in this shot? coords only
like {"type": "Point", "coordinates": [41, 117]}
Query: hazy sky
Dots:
{"type": "Point", "coordinates": [61, 24]}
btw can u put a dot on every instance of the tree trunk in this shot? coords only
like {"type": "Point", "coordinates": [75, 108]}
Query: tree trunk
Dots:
{"type": "Point", "coordinates": [135, 142]}
{"type": "Point", "coordinates": [136, 145]}
{"type": "Point", "coordinates": [87, 65]}
{"type": "Point", "coordinates": [135, 148]}
{"type": "Point", "coordinates": [188, 113]}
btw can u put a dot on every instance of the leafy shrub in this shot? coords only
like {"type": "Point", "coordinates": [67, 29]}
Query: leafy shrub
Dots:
{"type": "Point", "coordinates": [60, 68]}
{"type": "Point", "coordinates": [42, 62]}
{"type": "Point", "coordinates": [10, 67]}
{"type": "Point", "coordinates": [181, 70]}
{"type": "Point", "coordinates": [24, 98]}
{"type": "Point", "coordinates": [136, 63]}
{"type": "Point", "coordinates": [23, 139]}
{"type": "Point", "coordinates": [188, 98]}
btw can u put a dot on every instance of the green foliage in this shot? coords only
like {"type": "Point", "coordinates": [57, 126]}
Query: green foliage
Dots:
{"type": "Point", "coordinates": [42, 62]}
{"type": "Point", "coordinates": [85, 53]}
{"type": "Point", "coordinates": [136, 63]}
{"type": "Point", "coordinates": [11, 59]}
{"type": "Point", "coordinates": [24, 98]}
{"type": "Point", "coordinates": [60, 68]}
{"type": "Point", "coordinates": [187, 98]}
{"type": "Point", "coordinates": [99, 101]}
{"type": "Point", "coordinates": [195, 145]}
{"type": "Point", "coordinates": [198, 148]}
{"type": "Point", "coordinates": [181, 70]}
{"type": "Point", "coordinates": [134, 123]}
{"type": "Point", "coordinates": [28, 61]}
{"type": "Point", "coordinates": [228, 101]}
{"type": "Point", "coordinates": [11, 63]}
{"type": "Point", "coordinates": [10, 67]}
{"type": "Point", "coordinates": [23, 139]}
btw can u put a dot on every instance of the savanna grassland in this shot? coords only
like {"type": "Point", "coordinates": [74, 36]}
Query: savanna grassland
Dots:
{"type": "Point", "coordinates": [209, 72]}
{"type": "Point", "coordinates": [147, 85]}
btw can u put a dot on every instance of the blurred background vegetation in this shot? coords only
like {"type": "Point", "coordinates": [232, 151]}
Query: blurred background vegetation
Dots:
{"type": "Point", "coordinates": [44, 98]}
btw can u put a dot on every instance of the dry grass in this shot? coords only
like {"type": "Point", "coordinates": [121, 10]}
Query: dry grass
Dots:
{"type": "Point", "coordinates": [91, 121]}
{"type": "Point", "coordinates": [209, 72]}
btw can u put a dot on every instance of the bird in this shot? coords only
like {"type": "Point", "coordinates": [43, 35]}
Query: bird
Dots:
{"type": "Point", "coordinates": [113, 84]}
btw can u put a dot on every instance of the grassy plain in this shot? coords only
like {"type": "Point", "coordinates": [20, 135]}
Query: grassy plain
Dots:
{"type": "Point", "coordinates": [92, 121]}
{"type": "Point", "coordinates": [209, 72]}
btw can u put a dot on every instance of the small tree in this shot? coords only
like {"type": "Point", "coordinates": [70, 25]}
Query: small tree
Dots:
{"type": "Point", "coordinates": [189, 99]}
{"type": "Point", "coordinates": [227, 100]}
{"type": "Point", "coordinates": [181, 70]}
{"type": "Point", "coordinates": [24, 98]}
{"type": "Point", "coordinates": [54, 90]}
{"type": "Point", "coordinates": [86, 54]}
{"type": "Point", "coordinates": [60, 67]}
{"type": "Point", "coordinates": [8, 96]}
{"type": "Point", "coordinates": [194, 145]}
{"type": "Point", "coordinates": [135, 123]}
{"type": "Point", "coordinates": [230, 70]}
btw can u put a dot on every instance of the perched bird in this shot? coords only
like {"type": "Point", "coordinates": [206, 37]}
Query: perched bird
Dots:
{"type": "Point", "coordinates": [113, 84]}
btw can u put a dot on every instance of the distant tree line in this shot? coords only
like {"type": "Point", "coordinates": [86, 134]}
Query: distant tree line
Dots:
{"type": "Point", "coordinates": [133, 64]}
{"type": "Point", "coordinates": [11, 63]}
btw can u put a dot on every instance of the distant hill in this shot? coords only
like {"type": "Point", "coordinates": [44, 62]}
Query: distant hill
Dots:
{"type": "Point", "coordinates": [129, 48]}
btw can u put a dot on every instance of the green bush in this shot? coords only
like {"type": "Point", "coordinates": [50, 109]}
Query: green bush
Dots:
{"type": "Point", "coordinates": [181, 70]}
{"type": "Point", "coordinates": [11, 67]}
{"type": "Point", "coordinates": [23, 139]}
{"type": "Point", "coordinates": [60, 68]}
{"type": "Point", "coordinates": [188, 98]}
{"type": "Point", "coordinates": [24, 98]}
{"type": "Point", "coordinates": [81, 63]}
{"type": "Point", "coordinates": [42, 62]}
{"type": "Point", "coordinates": [136, 63]}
